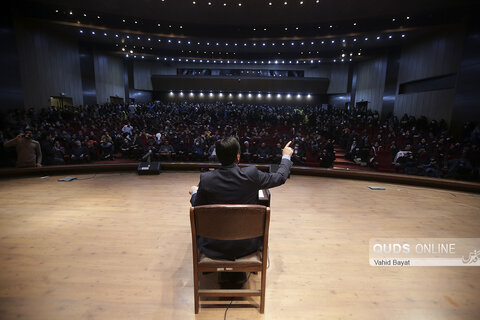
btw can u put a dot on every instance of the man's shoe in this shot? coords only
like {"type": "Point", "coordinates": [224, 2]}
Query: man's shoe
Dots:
{"type": "Point", "coordinates": [232, 280]}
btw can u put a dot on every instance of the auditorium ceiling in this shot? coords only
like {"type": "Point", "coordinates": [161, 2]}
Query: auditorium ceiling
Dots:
{"type": "Point", "coordinates": [248, 32]}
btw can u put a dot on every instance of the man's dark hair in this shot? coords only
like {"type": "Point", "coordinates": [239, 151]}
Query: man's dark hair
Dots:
{"type": "Point", "coordinates": [227, 150]}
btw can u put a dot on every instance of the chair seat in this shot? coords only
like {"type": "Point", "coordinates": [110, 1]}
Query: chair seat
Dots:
{"type": "Point", "coordinates": [252, 260]}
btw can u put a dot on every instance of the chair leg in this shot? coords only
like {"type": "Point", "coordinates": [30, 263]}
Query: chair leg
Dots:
{"type": "Point", "coordinates": [195, 291]}
{"type": "Point", "coordinates": [262, 293]}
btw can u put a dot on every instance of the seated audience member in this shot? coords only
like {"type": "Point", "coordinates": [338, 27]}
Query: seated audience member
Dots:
{"type": "Point", "coordinates": [277, 153]}
{"type": "Point", "coordinates": [46, 145]}
{"type": "Point", "coordinates": [106, 148]}
{"type": "Point", "coordinates": [460, 168]}
{"type": "Point", "coordinates": [79, 154]}
{"type": "Point", "coordinates": [150, 151]}
{"type": "Point", "coordinates": [212, 153]}
{"type": "Point", "coordinates": [128, 129]}
{"type": "Point", "coordinates": [181, 151]}
{"type": "Point", "coordinates": [326, 159]}
{"type": "Point", "coordinates": [432, 168]}
{"type": "Point", "coordinates": [298, 156]}
{"type": "Point", "coordinates": [166, 150]}
{"type": "Point", "coordinates": [126, 148]}
{"type": "Point", "coordinates": [403, 154]}
{"type": "Point", "coordinates": [263, 154]}
{"type": "Point", "coordinates": [58, 153]}
{"type": "Point", "coordinates": [410, 165]}
{"type": "Point", "coordinates": [93, 150]}
{"type": "Point", "coordinates": [29, 153]}
{"type": "Point", "coordinates": [247, 152]}
{"type": "Point", "coordinates": [198, 152]}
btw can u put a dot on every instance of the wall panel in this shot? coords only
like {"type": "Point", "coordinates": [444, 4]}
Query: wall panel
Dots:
{"type": "Point", "coordinates": [438, 55]}
{"type": "Point", "coordinates": [109, 78]}
{"type": "Point", "coordinates": [11, 95]}
{"type": "Point", "coordinates": [338, 78]}
{"type": "Point", "coordinates": [371, 82]}
{"type": "Point", "coordinates": [49, 64]}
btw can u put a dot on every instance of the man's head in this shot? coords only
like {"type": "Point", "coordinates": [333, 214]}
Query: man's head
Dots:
{"type": "Point", "coordinates": [228, 150]}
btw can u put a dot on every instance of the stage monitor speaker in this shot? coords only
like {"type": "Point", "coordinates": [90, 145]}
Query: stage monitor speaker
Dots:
{"type": "Point", "coordinates": [145, 168]}
{"type": "Point", "coordinates": [274, 168]}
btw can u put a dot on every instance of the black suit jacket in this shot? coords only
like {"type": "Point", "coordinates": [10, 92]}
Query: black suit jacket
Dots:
{"type": "Point", "coordinates": [234, 185]}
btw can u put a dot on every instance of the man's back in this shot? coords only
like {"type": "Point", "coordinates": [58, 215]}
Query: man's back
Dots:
{"type": "Point", "coordinates": [234, 185]}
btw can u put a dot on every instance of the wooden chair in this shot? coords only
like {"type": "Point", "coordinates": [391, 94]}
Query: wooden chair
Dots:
{"type": "Point", "coordinates": [230, 222]}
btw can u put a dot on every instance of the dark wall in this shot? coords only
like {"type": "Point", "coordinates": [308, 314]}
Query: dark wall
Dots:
{"type": "Point", "coordinates": [339, 100]}
{"type": "Point", "coordinates": [87, 70]}
{"type": "Point", "coordinates": [391, 83]}
{"type": "Point", "coordinates": [206, 84]}
{"type": "Point", "coordinates": [141, 96]}
{"type": "Point", "coordinates": [11, 95]}
{"type": "Point", "coordinates": [467, 99]}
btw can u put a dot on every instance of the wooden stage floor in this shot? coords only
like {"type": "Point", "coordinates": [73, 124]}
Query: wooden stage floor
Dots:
{"type": "Point", "coordinates": [118, 246]}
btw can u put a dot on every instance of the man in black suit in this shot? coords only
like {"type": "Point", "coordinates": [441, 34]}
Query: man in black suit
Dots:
{"type": "Point", "coordinates": [231, 184]}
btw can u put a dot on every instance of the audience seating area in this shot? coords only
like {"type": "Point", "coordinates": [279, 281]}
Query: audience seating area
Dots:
{"type": "Point", "coordinates": [186, 132]}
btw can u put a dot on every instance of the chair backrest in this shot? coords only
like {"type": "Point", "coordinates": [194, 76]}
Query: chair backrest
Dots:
{"type": "Point", "coordinates": [230, 221]}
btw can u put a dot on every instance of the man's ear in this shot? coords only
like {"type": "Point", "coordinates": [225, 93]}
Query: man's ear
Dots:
{"type": "Point", "coordinates": [238, 158]}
